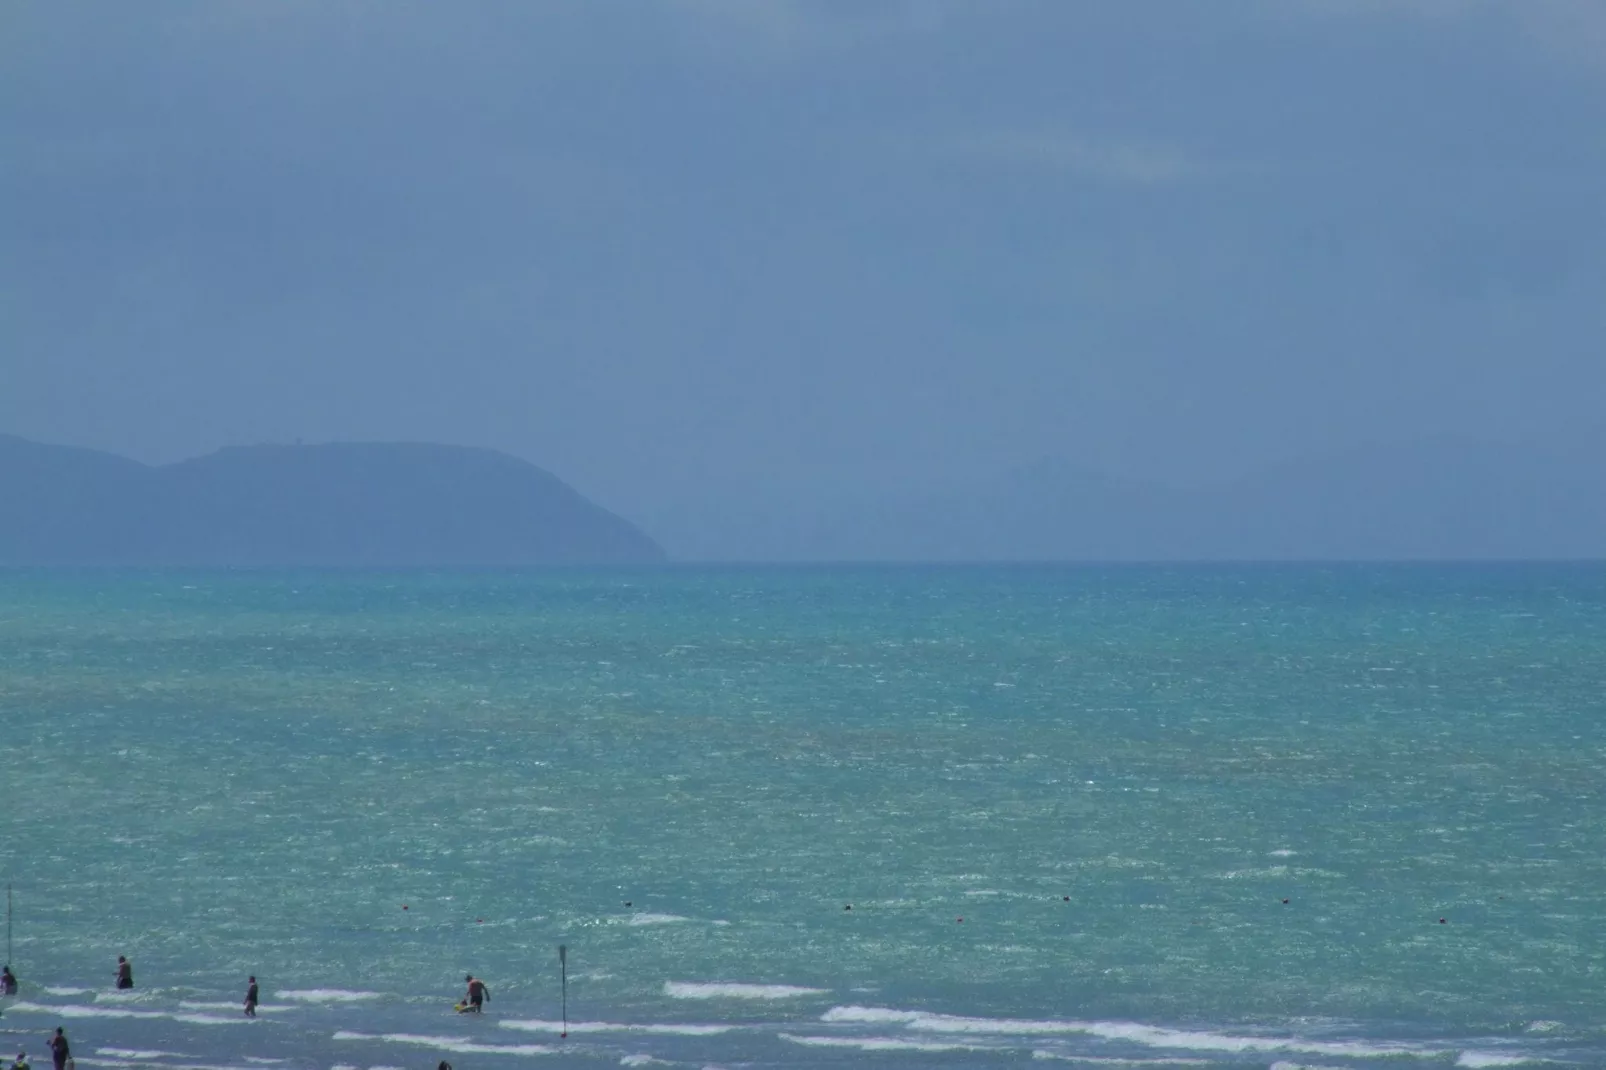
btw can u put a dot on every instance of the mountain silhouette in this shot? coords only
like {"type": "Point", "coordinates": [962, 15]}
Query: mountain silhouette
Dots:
{"type": "Point", "coordinates": [348, 504]}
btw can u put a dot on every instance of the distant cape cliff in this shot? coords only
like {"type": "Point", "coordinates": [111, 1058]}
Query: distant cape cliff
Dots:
{"type": "Point", "coordinates": [344, 504]}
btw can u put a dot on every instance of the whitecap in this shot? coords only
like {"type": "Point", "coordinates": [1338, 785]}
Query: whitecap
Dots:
{"type": "Point", "coordinates": [124, 996]}
{"type": "Point", "coordinates": [58, 991]}
{"type": "Point", "coordinates": [655, 919]}
{"type": "Point", "coordinates": [736, 990]}
{"type": "Point", "coordinates": [135, 1053]}
{"type": "Point", "coordinates": [878, 1043]}
{"type": "Point", "coordinates": [533, 1025]}
{"type": "Point", "coordinates": [462, 1045]}
{"type": "Point", "coordinates": [1106, 1060]}
{"type": "Point", "coordinates": [326, 995]}
{"type": "Point", "coordinates": [82, 1010]}
{"type": "Point", "coordinates": [143, 1060]}
{"type": "Point", "coordinates": [1485, 1059]}
{"type": "Point", "coordinates": [1132, 1032]}
{"type": "Point", "coordinates": [216, 1005]}
{"type": "Point", "coordinates": [643, 1060]}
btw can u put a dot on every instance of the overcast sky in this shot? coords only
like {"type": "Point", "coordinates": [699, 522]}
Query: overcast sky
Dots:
{"type": "Point", "coordinates": [686, 248]}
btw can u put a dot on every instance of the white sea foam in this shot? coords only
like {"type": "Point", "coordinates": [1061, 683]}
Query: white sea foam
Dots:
{"type": "Point", "coordinates": [462, 1045]}
{"type": "Point", "coordinates": [1543, 1026]}
{"type": "Point", "coordinates": [82, 1010]}
{"type": "Point", "coordinates": [879, 1043]}
{"type": "Point", "coordinates": [223, 1005]}
{"type": "Point", "coordinates": [655, 919]}
{"type": "Point", "coordinates": [533, 1025]}
{"type": "Point", "coordinates": [1106, 1060]}
{"type": "Point", "coordinates": [58, 991]}
{"type": "Point", "coordinates": [736, 990]}
{"type": "Point", "coordinates": [869, 1014]}
{"type": "Point", "coordinates": [1484, 1059]}
{"type": "Point", "coordinates": [1132, 1032]}
{"type": "Point", "coordinates": [133, 1053]}
{"type": "Point", "coordinates": [145, 1065]}
{"type": "Point", "coordinates": [326, 995]}
{"type": "Point", "coordinates": [643, 1060]}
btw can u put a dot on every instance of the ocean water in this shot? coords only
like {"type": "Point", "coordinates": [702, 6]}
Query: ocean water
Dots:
{"type": "Point", "coordinates": [1203, 816]}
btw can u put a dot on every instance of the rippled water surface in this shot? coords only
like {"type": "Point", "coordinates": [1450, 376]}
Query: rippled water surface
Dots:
{"type": "Point", "coordinates": [1207, 815]}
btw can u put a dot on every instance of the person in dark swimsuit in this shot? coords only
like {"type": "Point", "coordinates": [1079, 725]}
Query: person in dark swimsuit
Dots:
{"type": "Point", "coordinates": [125, 973]}
{"type": "Point", "coordinates": [8, 982]}
{"type": "Point", "coordinates": [251, 997]}
{"type": "Point", "coordinates": [477, 994]}
{"type": "Point", "coordinates": [59, 1049]}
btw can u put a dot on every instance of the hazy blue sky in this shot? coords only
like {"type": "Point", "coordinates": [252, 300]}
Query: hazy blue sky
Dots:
{"type": "Point", "coordinates": [694, 247]}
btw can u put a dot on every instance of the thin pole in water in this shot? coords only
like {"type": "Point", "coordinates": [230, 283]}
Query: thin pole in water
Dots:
{"type": "Point", "coordinates": [563, 972]}
{"type": "Point", "coordinates": [8, 924]}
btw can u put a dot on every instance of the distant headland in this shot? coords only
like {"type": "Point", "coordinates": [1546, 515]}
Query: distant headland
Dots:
{"type": "Point", "coordinates": [341, 504]}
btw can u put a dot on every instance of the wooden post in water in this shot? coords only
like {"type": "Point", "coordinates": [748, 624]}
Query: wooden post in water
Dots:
{"type": "Point", "coordinates": [563, 972]}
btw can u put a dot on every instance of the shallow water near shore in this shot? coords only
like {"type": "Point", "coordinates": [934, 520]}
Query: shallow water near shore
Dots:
{"type": "Point", "coordinates": [362, 786]}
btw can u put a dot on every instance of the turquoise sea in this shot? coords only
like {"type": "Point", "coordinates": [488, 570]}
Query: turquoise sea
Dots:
{"type": "Point", "coordinates": [1191, 815]}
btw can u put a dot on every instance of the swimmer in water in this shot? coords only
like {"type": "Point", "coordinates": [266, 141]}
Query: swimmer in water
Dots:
{"type": "Point", "coordinates": [477, 994]}
{"type": "Point", "coordinates": [125, 973]}
{"type": "Point", "coordinates": [251, 997]}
